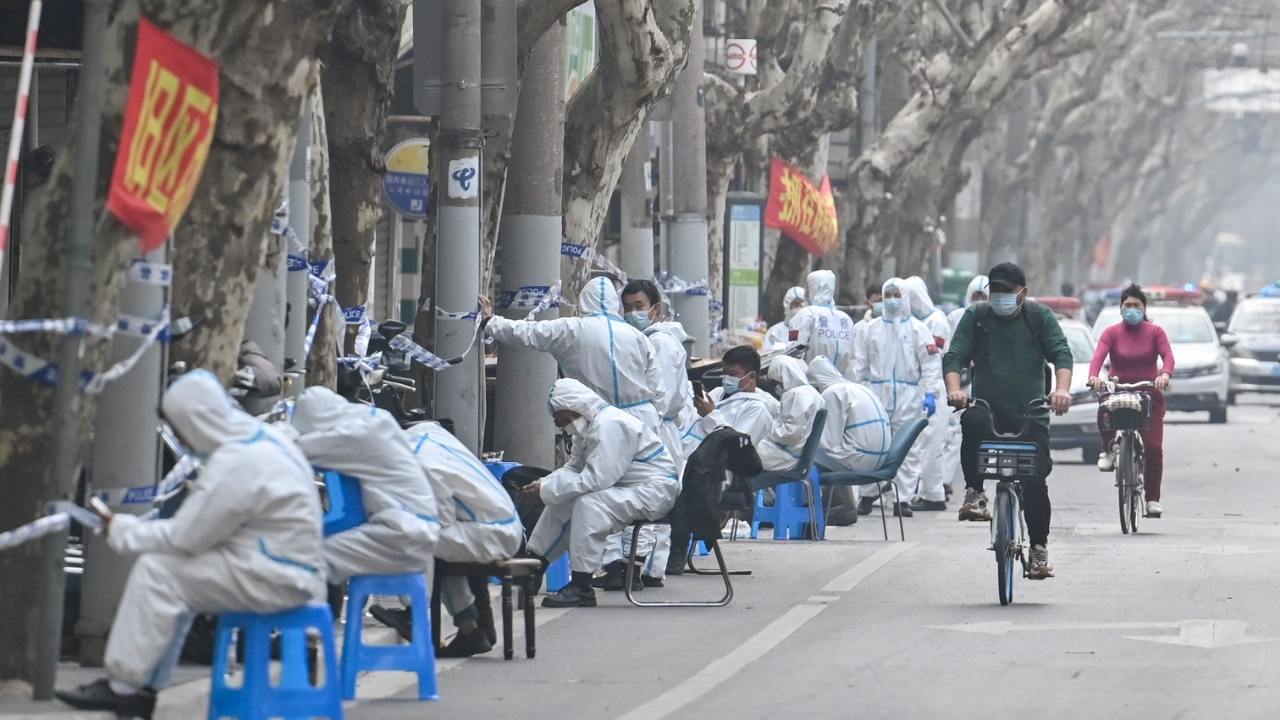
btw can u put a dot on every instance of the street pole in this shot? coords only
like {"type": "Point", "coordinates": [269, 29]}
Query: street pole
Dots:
{"type": "Point", "coordinates": [265, 325]}
{"type": "Point", "coordinates": [459, 389]}
{"type": "Point", "coordinates": [637, 216]}
{"type": "Point", "coordinates": [80, 242]}
{"type": "Point", "coordinates": [687, 225]}
{"type": "Point", "coordinates": [296, 283]}
{"type": "Point", "coordinates": [529, 250]}
{"type": "Point", "coordinates": [125, 455]}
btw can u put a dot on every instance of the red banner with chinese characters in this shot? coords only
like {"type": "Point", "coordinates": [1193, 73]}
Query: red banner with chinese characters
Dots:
{"type": "Point", "coordinates": [168, 127]}
{"type": "Point", "coordinates": [807, 214]}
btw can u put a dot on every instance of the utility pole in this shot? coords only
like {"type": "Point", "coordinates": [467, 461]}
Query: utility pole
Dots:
{"type": "Point", "coordinates": [460, 389]}
{"type": "Point", "coordinates": [687, 220]}
{"type": "Point", "coordinates": [81, 238]}
{"type": "Point", "coordinates": [296, 284]}
{"type": "Point", "coordinates": [637, 214]}
{"type": "Point", "coordinates": [529, 249]}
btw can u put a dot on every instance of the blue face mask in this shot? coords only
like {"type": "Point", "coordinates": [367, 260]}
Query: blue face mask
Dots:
{"type": "Point", "coordinates": [1133, 316]}
{"type": "Point", "coordinates": [638, 319]}
{"type": "Point", "coordinates": [877, 309]}
{"type": "Point", "coordinates": [893, 306]}
{"type": "Point", "coordinates": [1004, 304]}
{"type": "Point", "coordinates": [730, 385]}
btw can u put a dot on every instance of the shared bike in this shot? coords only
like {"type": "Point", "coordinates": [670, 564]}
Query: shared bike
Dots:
{"type": "Point", "coordinates": [1126, 410]}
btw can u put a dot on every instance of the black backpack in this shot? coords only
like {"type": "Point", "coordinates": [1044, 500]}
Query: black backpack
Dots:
{"type": "Point", "coordinates": [1034, 318]}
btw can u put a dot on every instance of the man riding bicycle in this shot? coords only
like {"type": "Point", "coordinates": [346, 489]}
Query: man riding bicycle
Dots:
{"type": "Point", "coordinates": [1010, 342]}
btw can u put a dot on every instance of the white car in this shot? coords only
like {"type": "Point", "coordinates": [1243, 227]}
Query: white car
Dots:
{"type": "Point", "coordinates": [1201, 373]}
{"type": "Point", "coordinates": [1079, 427]}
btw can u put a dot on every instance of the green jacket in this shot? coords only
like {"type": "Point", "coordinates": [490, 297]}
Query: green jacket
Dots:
{"type": "Point", "coordinates": [1008, 368]}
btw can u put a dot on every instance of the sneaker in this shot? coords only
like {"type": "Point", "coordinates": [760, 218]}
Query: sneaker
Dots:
{"type": "Point", "coordinates": [98, 695]}
{"type": "Point", "coordinates": [1153, 509]}
{"type": "Point", "coordinates": [903, 510]}
{"type": "Point", "coordinates": [929, 505]}
{"type": "Point", "coordinates": [974, 507]}
{"type": "Point", "coordinates": [466, 644]}
{"type": "Point", "coordinates": [400, 619]}
{"type": "Point", "coordinates": [1107, 461]}
{"type": "Point", "coordinates": [1040, 567]}
{"type": "Point", "coordinates": [571, 596]}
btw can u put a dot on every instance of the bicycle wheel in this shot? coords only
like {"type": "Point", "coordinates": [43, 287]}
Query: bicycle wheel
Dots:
{"type": "Point", "coordinates": [1136, 478]}
{"type": "Point", "coordinates": [1123, 468]}
{"type": "Point", "coordinates": [1003, 545]}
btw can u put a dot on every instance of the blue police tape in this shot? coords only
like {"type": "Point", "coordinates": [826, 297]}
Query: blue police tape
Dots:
{"type": "Point", "coordinates": [417, 352]}
{"type": "Point", "coordinates": [297, 263]}
{"type": "Point", "coordinates": [35, 529]}
{"type": "Point", "coordinates": [586, 253]}
{"type": "Point", "coordinates": [280, 226]}
{"type": "Point", "coordinates": [45, 372]}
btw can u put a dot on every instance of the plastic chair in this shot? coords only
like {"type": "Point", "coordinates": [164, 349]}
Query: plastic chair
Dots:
{"type": "Point", "coordinates": [788, 514]}
{"type": "Point", "coordinates": [802, 474]}
{"type": "Point", "coordinates": [632, 561]}
{"type": "Point", "coordinates": [416, 657]}
{"type": "Point", "coordinates": [295, 696]}
{"type": "Point", "coordinates": [901, 444]}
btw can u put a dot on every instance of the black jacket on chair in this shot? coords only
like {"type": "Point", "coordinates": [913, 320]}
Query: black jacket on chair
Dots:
{"type": "Point", "coordinates": [702, 495]}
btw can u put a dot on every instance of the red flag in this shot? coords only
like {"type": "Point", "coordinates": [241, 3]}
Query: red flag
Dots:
{"type": "Point", "coordinates": [168, 127]}
{"type": "Point", "coordinates": [1102, 252]}
{"type": "Point", "coordinates": [805, 213]}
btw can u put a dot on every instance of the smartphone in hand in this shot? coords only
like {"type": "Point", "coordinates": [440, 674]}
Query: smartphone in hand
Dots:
{"type": "Point", "coordinates": [99, 507]}
{"type": "Point", "coordinates": [698, 389]}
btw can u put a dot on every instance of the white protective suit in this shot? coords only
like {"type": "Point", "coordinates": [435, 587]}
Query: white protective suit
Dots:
{"type": "Point", "coordinates": [824, 329]}
{"type": "Point", "coordinates": [479, 520]}
{"type": "Point", "coordinates": [780, 333]}
{"type": "Point", "coordinates": [619, 472]}
{"type": "Point", "coordinates": [794, 422]}
{"type": "Point", "coordinates": [934, 438]}
{"type": "Point", "coordinates": [598, 349]}
{"type": "Point", "coordinates": [858, 432]}
{"type": "Point", "coordinates": [951, 447]}
{"type": "Point", "coordinates": [402, 522]}
{"type": "Point", "coordinates": [898, 359]}
{"type": "Point", "coordinates": [750, 413]}
{"type": "Point", "coordinates": [667, 339]}
{"type": "Point", "coordinates": [247, 537]}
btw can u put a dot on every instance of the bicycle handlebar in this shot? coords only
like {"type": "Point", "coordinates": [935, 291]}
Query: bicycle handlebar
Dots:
{"type": "Point", "coordinates": [1114, 386]}
{"type": "Point", "coordinates": [1040, 403]}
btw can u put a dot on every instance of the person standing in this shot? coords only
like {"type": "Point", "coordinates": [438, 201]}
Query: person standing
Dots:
{"type": "Point", "coordinates": [822, 328]}
{"type": "Point", "coordinates": [1134, 346]}
{"type": "Point", "coordinates": [933, 481]}
{"type": "Point", "coordinates": [780, 333]}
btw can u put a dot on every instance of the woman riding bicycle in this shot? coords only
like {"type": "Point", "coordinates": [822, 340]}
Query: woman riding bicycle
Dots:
{"type": "Point", "coordinates": [1134, 345]}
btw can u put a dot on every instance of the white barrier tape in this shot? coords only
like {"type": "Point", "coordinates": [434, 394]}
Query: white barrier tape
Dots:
{"type": "Point", "coordinates": [19, 121]}
{"type": "Point", "coordinates": [446, 315]}
{"type": "Point", "coordinates": [64, 326]}
{"type": "Point", "coordinates": [321, 304]}
{"type": "Point", "coordinates": [139, 326]}
{"type": "Point", "coordinates": [151, 273]}
{"type": "Point", "coordinates": [363, 334]}
{"type": "Point", "coordinates": [87, 518]}
{"type": "Point", "coordinates": [355, 315]}
{"type": "Point", "coordinates": [58, 522]}
{"type": "Point", "coordinates": [416, 352]}
{"type": "Point", "coordinates": [280, 226]}
{"type": "Point", "coordinates": [96, 383]}
{"type": "Point", "coordinates": [552, 299]}
{"type": "Point", "coordinates": [586, 253]}
{"type": "Point", "coordinates": [42, 371]}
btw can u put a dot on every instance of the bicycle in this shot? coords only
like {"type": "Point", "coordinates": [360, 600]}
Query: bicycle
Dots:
{"type": "Point", "coordinates": [1126, 410]}
{"type": "Point", "coordinates": [1008, 459]}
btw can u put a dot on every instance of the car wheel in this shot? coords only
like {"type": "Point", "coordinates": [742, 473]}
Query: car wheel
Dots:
{"type": "Point", "coordinates": [1090, 451]}
{"type": "Point", "coordinates": [1218, 416]}
{"type": "Point", "coordinates": [1231, 398]}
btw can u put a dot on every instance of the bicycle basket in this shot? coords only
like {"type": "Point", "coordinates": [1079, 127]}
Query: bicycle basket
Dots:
{"type": "Point", "coordinates": [999, 460]}
{"type": "Point", "coordinates": [1126, 411]}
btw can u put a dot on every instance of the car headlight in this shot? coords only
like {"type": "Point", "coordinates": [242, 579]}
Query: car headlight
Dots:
{"type": "Point", "coordinates": [1201, 371]}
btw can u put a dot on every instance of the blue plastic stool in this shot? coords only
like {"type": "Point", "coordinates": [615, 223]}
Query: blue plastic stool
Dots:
{"type": "Point", "coordinates": [346, 504]}
{"type": "Point", "coordinates": [558, 574]}
{"type": "Point", "coordinates": [417, 657]}
{"type": "Point", "coordinates": [699, 546]}
{"type": "Point", "coordinates": [295, 696]}
{"type": "Point", "coordinates": [788, 514]}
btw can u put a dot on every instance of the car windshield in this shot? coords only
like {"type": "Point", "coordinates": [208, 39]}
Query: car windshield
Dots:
{"type": "Point", "coordinates": [1257, 317]}
{"type": "Point", "coordinates": [1181, 326]}
{"type": "Point", "coordinates": [1081, 344]}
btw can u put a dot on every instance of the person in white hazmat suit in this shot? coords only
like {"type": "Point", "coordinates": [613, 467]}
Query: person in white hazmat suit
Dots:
{"type": "Point", "coordinates": [247, 538]}
{"type": "Point", "coordinates": [597, 349]}
{"type": "Point", "coordinates": [822, 328]}
{"type": "Point", "coordinates": [933, 482]}
{"type": "Point", "coordinates": [899, 361]}
{"type": "Point", "coordinates": [858, 432]}
{"type": "Point", "coordinates": [619, 472]}
{"type": "Point", "coordinates": [797, 409]}
{"type": "Point", "coordinates": [479, 524]}
{"type": "Point", "coordinates": [780, 333]}
{"type": "Point", "coordinates": [737, 403]}
{"type": "Point", "coordinates": [642, 303]}
{"type": "Point", "coordinates": [402, 522]}
{"type": "Point", "coordinates": [976, 293]}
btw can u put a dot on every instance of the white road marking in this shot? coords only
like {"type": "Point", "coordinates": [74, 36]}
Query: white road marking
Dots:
{"type": "Point", "coordinates": [823, 599]}
{"type": "Point", "coordinates": [1004, 627]}
{"type": "Point", "coordinates": [856, 574]}
{"type": "Point", "coordinates": [1207, 634]}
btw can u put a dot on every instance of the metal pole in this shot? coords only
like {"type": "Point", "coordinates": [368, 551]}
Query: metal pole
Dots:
{"type": "Point", "coordinates": [80, 242]}
{"type": "Point", "coordinates": [266, 312]}
{"type": "Point", "coordinates": [300, 220]}
{"type": "Point", "coordinates": [458, 389]}
{"type": "Point", "coordinates": [529, 251]}
{"type": "Point", "coordinates": [688, 224]}
{"type": "Point", "coordinates": [637, 218]}
{"type": "Point", "coordinates": [125, 455]}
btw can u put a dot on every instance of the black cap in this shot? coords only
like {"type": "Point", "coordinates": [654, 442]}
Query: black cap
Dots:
{"type": "Point", "coordinates": [1008, 275]}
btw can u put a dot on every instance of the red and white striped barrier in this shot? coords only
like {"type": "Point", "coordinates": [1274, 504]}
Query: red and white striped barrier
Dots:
{"type": "Point", "coordinates": [19, 122]}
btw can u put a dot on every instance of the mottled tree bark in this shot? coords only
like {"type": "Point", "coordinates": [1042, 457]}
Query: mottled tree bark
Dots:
{"type": "Point", "coordinates": [267, 62]}
{"type": "Point", "coordinates": [322, 363]}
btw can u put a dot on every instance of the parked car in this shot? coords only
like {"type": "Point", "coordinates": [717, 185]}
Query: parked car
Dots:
{"type": "Point", "coordinates": [1253, 341]}
{"type": "Point", "coordinates": [1201, 371]}
{"type": "Point", "coordinates": [1079, 427]}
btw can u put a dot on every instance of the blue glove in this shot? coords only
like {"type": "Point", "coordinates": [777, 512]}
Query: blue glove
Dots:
{"type": "Point", "coordinates": [930, 404]}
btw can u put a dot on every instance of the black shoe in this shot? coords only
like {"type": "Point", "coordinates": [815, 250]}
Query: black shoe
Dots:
{"type": "Point", "coordinates": [612, 577]}
{"type": "Point", "coordinates": [947, 489]}
{"type": "Point", "coordinates": [842, 516]}
{"type": "Point", "coordinates": [676, 567]}
{"type": "Point", "coordinates": [902, 510]}
{"type": "Point", "coordinates": [98, 695]}
{"type": "Point", "coordinates": [865, 505]}
{"type": "Point", "coordinates": [929, 506]}
{"type": "Point", "coordinates": [571, 596]}
{"type": "Point", "coordinates": [466, 644]}
{"type": "Point", "coordinates": [400, 620]}
{"type": "Point", "coordinates": [648, 581]}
